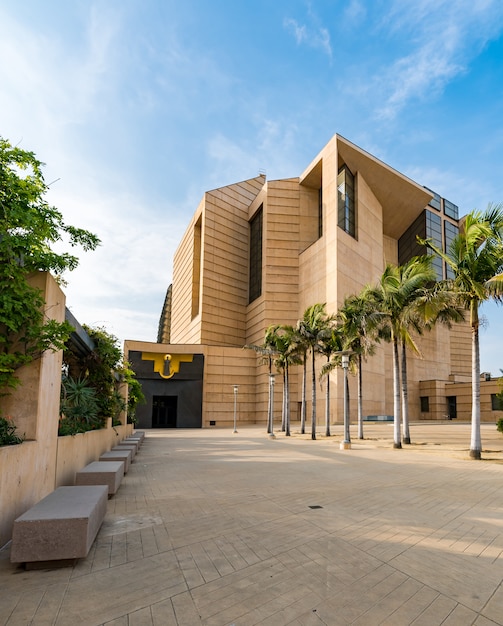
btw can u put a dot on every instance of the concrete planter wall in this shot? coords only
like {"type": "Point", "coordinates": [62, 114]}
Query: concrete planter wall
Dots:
{"type": "Point", "coordinates": [31, 470]}
{"type": "Point", "coordinates": [76, 451]}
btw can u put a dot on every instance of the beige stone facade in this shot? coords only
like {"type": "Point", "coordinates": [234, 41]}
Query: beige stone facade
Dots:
{"type": "Point", "coordinates": [260, 252]}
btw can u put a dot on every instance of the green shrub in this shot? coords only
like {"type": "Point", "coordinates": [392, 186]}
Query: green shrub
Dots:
{"type": "Point", "coordinates": [79, 408]}
{"type": "Point", "coordinates": [8, 435]}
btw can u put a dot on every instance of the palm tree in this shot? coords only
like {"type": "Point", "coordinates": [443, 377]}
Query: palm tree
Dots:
{"type": "Point", "coordinates": [314, 321]}
{"type": "Point", "coordinates": [359, 324]}
{"type": "Point", "coordinates": [284, 339]}
{"type": "Point", "coordinates": [330, 342]}
{"type": "Point", "coordinates": [413, 319]}
{"type": "Point", "coordinates": [475, 258]}
{"type": "Point", "coordinates": [398, 287]}
{"type": "Point", "coordinates": [267, 350]}
{"type": "Point", "coordinates": [431, 305]}
{"type": "Point", "coordinates": [303, 349]}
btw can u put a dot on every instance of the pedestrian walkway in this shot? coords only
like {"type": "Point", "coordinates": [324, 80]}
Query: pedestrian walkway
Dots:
{"type": "Point", "coordinates": [217, 529]}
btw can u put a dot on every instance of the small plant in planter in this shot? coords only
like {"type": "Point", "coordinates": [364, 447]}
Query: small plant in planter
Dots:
{"type": "Point", "coordinates": [105, 371]}
{"type": "Point", "coordinates": [79, 410]}
{"type": "Point", "coordinates": [8, 435]}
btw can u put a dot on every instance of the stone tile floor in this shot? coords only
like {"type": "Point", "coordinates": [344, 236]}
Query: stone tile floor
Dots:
{"type": "Point", "coordinates": [218, 529]}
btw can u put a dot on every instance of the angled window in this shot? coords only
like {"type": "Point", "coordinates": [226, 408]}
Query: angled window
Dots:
{"type": "Point", "coordinates": [346, 201]}
{"type": "Point", "coordinates": [435, 201]}
{"type": "Point", "coordinates": [320, 212]}
{"type": "Point", "coordinates": [255, 275]}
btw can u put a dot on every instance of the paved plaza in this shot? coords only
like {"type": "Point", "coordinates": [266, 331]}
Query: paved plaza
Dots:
{"type": "Point", "coordinates": [217, 529]}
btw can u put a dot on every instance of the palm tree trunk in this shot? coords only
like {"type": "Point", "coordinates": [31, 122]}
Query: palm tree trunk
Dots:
{"type": "Point", "coordinates": [303, 403]}
{"type": "Point", "coordinates": [475, 444]}
{"type": "Point", "coordinates": [269, 405]}
{"type": "Point", "coordinates": [313, 397]}
{"type": "Point", "coordinates": [283, 406]}
{"type": "Point", "coordinates": [405, 397]}
{"type": "Point", "coordinates": [327, 405]}
{"type": "Point", "coordinates": [348, 405]}
{"type": "Point", "coordinates": [396, 397]}
{"type": "Point", "coordinates": [360, 398]}
{"type": "Point", "coordinates": [287, 402]}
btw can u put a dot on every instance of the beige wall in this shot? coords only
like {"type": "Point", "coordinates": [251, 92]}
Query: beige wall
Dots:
{"type": "Point", "coordinates": [300, 268]}
{"type": "Point", "coordinates": [33, 469]}
{"type": "Point", "coordinates": [223, 216]}
{"type": "Point", "coordinates": [76, 451]}
{"type": "Point", "coordinates": [27, 471]}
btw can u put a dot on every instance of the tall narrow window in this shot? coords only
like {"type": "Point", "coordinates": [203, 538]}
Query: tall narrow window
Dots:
{"type": "Point", "coordinates": [346, 203]}
{"type": "Point", "coordinates": [255, 277]}
{"type": "Point", "coordinates": [196, 267]}
{"type": "Point", "coordinates": [434, 232]}
{"type": "Point", "coordinates": [320, 212]}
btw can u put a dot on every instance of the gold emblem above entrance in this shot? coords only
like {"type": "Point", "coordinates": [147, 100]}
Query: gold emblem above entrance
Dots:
{"type": "Point", "coordinates": [173, 360]}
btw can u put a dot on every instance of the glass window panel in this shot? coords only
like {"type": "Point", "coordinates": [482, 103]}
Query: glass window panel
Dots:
{"type": "Point", "coordinates": [255, 276]}
{"type": "Point", "coordinates": [346, 201]}
{"type": "Point", "coordinates": [435, 201]}
{"type": "Point", "coordinates": [450, 209]}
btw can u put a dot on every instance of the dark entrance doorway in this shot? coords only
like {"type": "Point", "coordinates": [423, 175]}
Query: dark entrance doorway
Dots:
{"type": "Point", "coordinates": [164, 411]}
{"type": "Point", "coordinates": [452, 412]}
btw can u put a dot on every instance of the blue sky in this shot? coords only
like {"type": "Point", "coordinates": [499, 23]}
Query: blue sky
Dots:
{"type": "Point", "coordinates": [139, 106]}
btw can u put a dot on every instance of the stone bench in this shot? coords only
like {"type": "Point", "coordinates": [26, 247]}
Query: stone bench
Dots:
{"type": "Point", "coordinates": [61, 528]}
{"type": "Point", "coordinates": [378, 418]}
{"type": "Point", "coordinates": [132, 440]}
{"type": "Point", "coordinates": [135, 443]}
{"type": "Point", "coordinates": [140, 434]}
{"type": "Point", "coordinates": [102, 473]}
{"type": "Point", "coordinates": [121, 446]}
{"type": "Point", "coordinates": [118, 455]}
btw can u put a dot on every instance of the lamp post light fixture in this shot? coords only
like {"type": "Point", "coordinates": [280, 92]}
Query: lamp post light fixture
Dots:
{"type": "Point", "coordinates": [236, 387]}
{"type": "Point", "coordinates": [346, 443]}
{"type": "Point", "coordinates": [271, 406]}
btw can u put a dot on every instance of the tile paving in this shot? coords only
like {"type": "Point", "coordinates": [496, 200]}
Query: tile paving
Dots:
{"type": "Point", "coordinates": [213, 528]}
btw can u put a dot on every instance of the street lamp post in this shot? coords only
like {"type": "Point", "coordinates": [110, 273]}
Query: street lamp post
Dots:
{"type": "Point", "coordinates": [346, 444]}
{"type": "Point", "coordinates": [235, 406]}
{"type": "Point", "coordinates": [271, 406]}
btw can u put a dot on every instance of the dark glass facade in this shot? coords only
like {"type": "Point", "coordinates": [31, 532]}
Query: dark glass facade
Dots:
{"type": "Point", "coordinates": [346, 204]}
{"type": "Point", "coordinates": [255, 275]}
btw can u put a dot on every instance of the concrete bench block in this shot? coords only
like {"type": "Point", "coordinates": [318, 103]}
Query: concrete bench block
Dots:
{"type": "Point", "coordinates": [377, 418]}
{"type": "Point", "coordinates": [61, 527]}
{"type": "Point", "coordinates": [140, 434]}
{"type": "Point", "coordinates": [122, 446]}
{"type": "Point", "coordinates": [130, 442]}
{"type": "Point", "coordinates": [102, 473]}
{"type": "Point", "coordinates": [118, 455]}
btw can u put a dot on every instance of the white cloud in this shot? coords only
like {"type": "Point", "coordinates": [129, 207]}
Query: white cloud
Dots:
{"type": "Point", "coordinates": [355, 11]}
{"type": "Point", "coordinates": [271, 150]}
{"type": "Point", "coordinates": [418, 75]}
{"type": "Point", "coordinates": [314, 35]}
{"type": "Point", "coordinates": [48, 100]}
{"type": "Point", "coordinates": [443, 39]}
